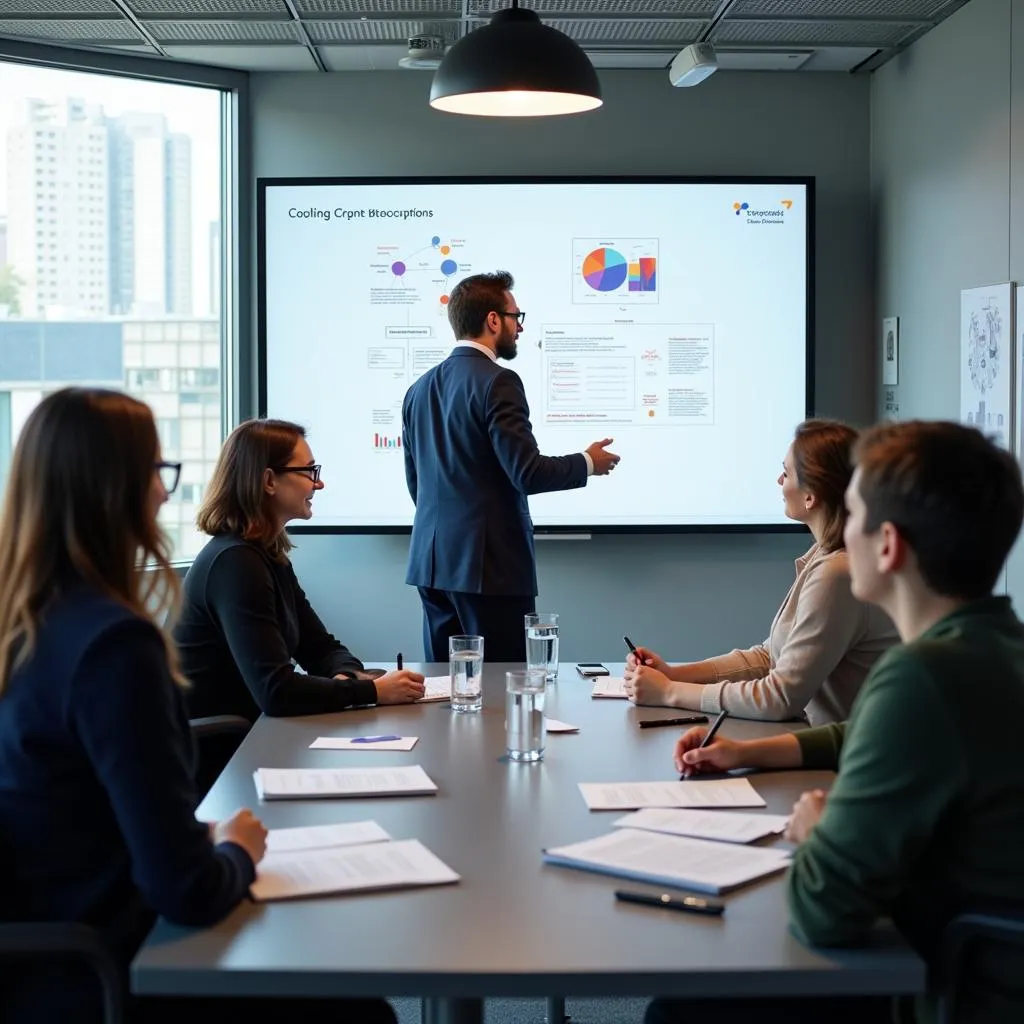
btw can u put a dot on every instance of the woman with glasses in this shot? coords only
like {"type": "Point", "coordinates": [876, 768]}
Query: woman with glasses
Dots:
{"type": "Point", "coordinates": [97, 802]}
{"type": "Point", "coordinates": [245, 621]}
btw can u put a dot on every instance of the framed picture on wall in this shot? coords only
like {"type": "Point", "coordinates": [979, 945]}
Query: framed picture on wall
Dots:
{"type": "Point", "coordinates": [891, 351]}
{"type": "Point", "coordinates": [987, 365]}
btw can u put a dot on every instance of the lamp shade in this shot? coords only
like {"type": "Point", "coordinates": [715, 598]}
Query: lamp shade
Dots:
{"type": "Point", "coordinates": [515, 66]}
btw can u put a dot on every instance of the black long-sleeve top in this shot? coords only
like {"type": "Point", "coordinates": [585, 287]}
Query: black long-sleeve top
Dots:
{"type": "Point", "coordinates": [97, 800]}
{"type": "Point", "coordinates": [245, 622]}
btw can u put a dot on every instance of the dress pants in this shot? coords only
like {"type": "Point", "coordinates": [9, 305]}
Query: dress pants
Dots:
{"type": "Point", "coordinates": [497, 618]}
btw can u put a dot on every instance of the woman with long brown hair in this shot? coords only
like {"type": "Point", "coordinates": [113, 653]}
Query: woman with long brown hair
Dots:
{"type": "Point", "coordinates": [97, 802]}
{"type": "Point", "coordinates": [823, 641]}
{"type": "Point", "coordinates": [245, 620]}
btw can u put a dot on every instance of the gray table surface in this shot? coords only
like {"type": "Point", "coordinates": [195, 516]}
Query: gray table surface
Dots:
{"type": "Point", "coordinates": [513, 926]}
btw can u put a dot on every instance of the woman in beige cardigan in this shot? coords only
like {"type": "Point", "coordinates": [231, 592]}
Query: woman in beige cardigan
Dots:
{"type": "Point", "coordinates": [823, 641]}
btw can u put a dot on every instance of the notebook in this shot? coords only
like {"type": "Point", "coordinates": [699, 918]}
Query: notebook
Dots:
{"type": "Point", "coordinates": [437, 688]}
{"type": "Point", "coordinates": [609, 686]}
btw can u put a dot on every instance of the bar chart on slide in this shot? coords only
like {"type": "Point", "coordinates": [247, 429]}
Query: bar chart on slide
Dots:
{"type": "Point", "coordinates": [615, 270]}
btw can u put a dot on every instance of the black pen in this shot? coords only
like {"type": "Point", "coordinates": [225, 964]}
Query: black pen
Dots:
{"type": "Point", "coordinates": [689, 904]}
{"type": "Point", "coordinates": [722, 716]}
{"type": "Point", "coordinates": [398, 658]}
{"type": "Point", "coordinates": [632, 647]}
{"type": "Point", "coordinates": [654, 723]}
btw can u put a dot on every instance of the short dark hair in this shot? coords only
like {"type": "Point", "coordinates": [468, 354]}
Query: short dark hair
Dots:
{"type": "Point", "coordinates": [235, 501]}
{"type": "Point", "coordinates": [473, 298]}
{"type": "Point", "coordinates": [955, 497]}
{"type": "Point", "coordinates": [823, 460]}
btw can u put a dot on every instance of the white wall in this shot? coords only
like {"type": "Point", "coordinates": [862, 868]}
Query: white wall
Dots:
{"type": "Point", "coordinates": [689, 595]}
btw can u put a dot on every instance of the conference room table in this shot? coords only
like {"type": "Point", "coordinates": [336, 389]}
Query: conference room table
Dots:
{"type": "Point", "coordinates": [512, 926]}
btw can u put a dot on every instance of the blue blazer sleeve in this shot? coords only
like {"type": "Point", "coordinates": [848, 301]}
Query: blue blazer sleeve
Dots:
{"type": "Point", "coordinates": [511, 434]}
{"type": "Point", "coordinates": [127, 714]}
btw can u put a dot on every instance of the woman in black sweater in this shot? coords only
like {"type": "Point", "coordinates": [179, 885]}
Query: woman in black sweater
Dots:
{"type": "Point", "coordinates": [245, 620]}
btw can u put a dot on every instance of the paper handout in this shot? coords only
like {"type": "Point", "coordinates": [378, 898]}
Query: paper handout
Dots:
{"type": "Point", "coordinates": [725, 826]}
{"type": "Point", "coordinates": [363, 743]}
{"type": "Point", "coordinates": [628, 796]}
{"type": "Point", "coordinates": [317, 837]}
{"type": "Point", "coordinates": [296, 783]}
{"type": "Point", "coordinates": [349, 869]}
{"type": "Point", "coordinates": [554, 725]}
{"type": "Point", "coordinates": [437, 688]}
{"type": "Point", "coordinates": [609, 686]}
{"type": "Point", "coordinates": [670, 860]}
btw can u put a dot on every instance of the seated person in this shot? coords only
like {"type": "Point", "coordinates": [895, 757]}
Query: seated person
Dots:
{"type": "Point", "coordinates": [244, 617]}
{"type": "Point", "coordinates": [925, 819]}
{"type": "Point", "coordinates": [823, 641]}
{"type": "Point", "coordinates": [97, 802]}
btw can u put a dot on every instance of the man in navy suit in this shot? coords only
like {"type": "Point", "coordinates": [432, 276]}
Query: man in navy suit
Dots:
{"type": "Point", "coordinates": [470, 461]}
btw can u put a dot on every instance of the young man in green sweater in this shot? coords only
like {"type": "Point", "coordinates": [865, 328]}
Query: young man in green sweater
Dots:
{"type": "Point", "coordinates": [926, 816]}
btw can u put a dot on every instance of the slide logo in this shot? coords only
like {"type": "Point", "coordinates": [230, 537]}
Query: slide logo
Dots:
{"type": "Point", "coordinates": [771, 215]}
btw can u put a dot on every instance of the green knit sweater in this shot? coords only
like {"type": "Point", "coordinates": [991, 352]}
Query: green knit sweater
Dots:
{"type": "Point", "coordinates": [926, 817]}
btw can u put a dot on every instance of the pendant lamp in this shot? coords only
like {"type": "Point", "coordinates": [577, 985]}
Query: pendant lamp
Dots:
{"type": "Point", "coordinates": [515, 66]}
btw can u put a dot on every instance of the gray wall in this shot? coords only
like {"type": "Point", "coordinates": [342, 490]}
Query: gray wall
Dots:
{"type": "Point", "coordinates": [688, 595]}
{"type": "Point", "coordinates": [947, 166]}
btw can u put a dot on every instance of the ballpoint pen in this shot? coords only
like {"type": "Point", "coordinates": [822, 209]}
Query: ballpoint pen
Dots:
{"type": "Point", "coordinates": [654, 723]}
{"type": "Point", "coordinates": [688, 904]}
{"type": "Point", "coordinates": [722, 715]}
{"type": "Point", "coordinates": [374, 739]}
{"type": "Point", "coordinates": [398, 659]}
{"type": "Point", "coordinates": [632, 647]}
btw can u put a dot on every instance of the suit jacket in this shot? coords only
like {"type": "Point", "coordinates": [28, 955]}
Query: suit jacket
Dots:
{"type": "Point", "coordinates": [470, 461]}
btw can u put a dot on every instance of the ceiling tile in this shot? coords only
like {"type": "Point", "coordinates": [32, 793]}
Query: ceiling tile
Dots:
{"type": "Point", "coordinates": [847, 8]}
{"type": "Point", "coordinates": [223, 31]}
{"type": "Point", "coordinates": [378, 8]}
{"type": "Point", "coordinates": [183, 9]}
{"type": "Point", "coordinates": [59, 8]}
{"type": "Point", "coordinates": [367, 57]}
{"type": "Point", "coordinates": [669, 32]}
{"type": "Point", "coordinates": [631, 59]}
{"type": "Point", "coordinates": [598, 8]}
{"type": "Point", "coordinates": [95, 30]}
{"type": "Point", "coordinates": [377, 31]}
{"type": "Point", "coordinates": [813, 33]}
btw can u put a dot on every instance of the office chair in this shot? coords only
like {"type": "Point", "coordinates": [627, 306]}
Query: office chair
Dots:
{"type": "Point", "coordinates": [65, 941]}
{"type": "Point", "coordinates": [215, 740]}
{"type": "Point", "coordinates": [962, 934]}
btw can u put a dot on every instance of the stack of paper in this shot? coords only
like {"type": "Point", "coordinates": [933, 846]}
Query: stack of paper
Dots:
{"type": "Point", "coordinates": [317, 837]}
{"type": "Point", "coordinates": [290, 872]}
{"type": "Point", "coordinates": [437, 688]}
{"type": "Point", "coordinates": [364, 743]}
{"type": "Point", "coordinates": [670, 860]}
{"type": "Point", "coordinates": [628, 796]}
{"type": "Point", "coordinates": [724, 826]}
{"type": "Point", "coordinates": [296, 783]}
{"type": "Point", "coordinates": [609, 686]}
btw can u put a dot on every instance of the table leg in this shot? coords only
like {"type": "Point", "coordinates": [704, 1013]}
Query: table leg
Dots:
{"type": "Point", "coordinates": [439, 1010]}
{"type": "Point", "coordinates": [556, 1010]}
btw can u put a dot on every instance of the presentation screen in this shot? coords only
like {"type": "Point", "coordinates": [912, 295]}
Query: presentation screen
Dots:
{"type": "Point", "coordinates": [671, 315]}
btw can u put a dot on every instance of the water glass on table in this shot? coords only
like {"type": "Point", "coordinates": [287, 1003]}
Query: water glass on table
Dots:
{"type": "Point", "coordinates": [542, 643]}
{"type": "Point", "coordinates": [524, 714]}
{"type": "Point", "coordinates": [465, 665]}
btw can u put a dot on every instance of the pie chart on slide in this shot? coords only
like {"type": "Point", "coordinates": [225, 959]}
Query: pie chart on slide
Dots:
{"type": "Point", "coordinates": [604, 269]}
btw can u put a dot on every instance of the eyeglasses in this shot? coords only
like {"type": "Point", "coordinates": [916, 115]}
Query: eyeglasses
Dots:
{"type": "Point", "coordinates": [170, 472]}
{"type": "Point", "coordinates": [520, 316]}
{"type": "Point", "coordinates": [311, 472]}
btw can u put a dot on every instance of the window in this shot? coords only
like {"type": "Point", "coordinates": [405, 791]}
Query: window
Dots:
{"type": "Point", "coordinates": [106, 273]}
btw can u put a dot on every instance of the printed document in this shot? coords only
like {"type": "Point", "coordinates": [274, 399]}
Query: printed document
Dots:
{"type": "Point", "coordinates": [316, 837]}
{"type": "Point", "coordinates": [609, 686]}
{"type": "Point", "coordinates": [670, 860]}
{"type": "Point", "coordinates": [724, 826]}
{"type": "Point", "coordinates": [296, 783]}
{"type": "Point", "coordinates": [628, 796]}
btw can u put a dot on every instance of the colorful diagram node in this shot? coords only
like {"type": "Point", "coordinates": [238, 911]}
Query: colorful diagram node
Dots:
{"type": "Point", "coordinates": [604, 269]}
{"type": "Point", "coordinates": [448, 267]}
{"type": "Point", "coordinates": [398, 268]}
{"type": "Point", "coordinates": [445, 249]}
{"type": "Point", "coordinates": [436, 240]}
{"type": "Point", "coordinates": [444, 300]}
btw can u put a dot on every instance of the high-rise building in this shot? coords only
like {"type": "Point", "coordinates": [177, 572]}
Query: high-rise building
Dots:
{"type": "Point", "coordinates": [215, 264]}
{"type": "Point", "coordinates": [150, 217]}
{"type": "Point", "coordinates": [57, 227]}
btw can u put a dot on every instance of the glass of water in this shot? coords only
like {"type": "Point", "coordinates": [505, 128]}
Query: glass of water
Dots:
{"type": "Point", "coordinates": [465, 664]}
{"type": "Point", "coordinates": [524, 714]}
{"type": "Point", "coordinates": [542, 643]}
